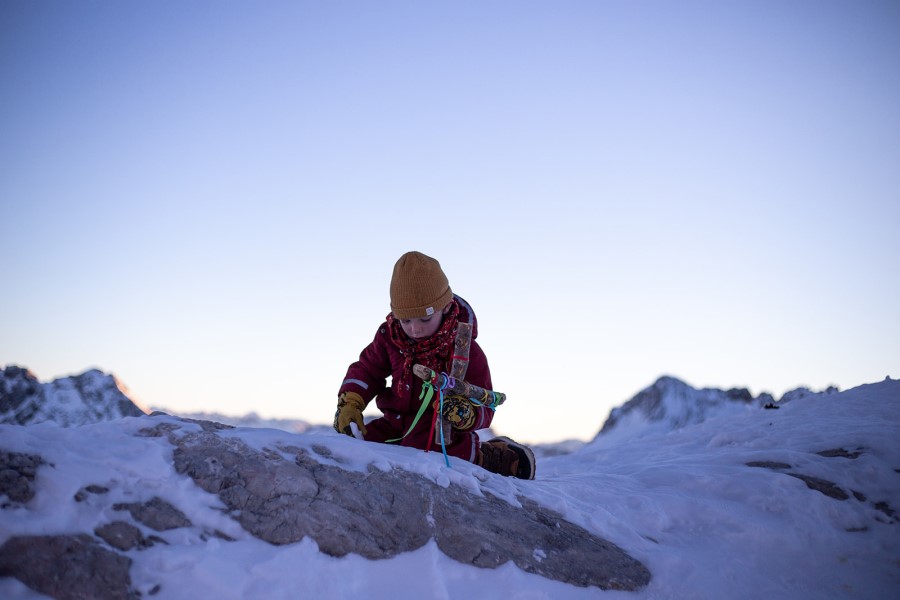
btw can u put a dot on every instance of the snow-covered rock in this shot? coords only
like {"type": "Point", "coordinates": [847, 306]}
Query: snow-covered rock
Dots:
{"type": "Point", "coordinates": [90, 397]}
{"type": "Point", "coordinates": [283, 494]}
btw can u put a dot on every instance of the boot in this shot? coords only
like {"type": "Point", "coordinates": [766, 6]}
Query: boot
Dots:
{"type": "Point", "coordinates": [506, 457]}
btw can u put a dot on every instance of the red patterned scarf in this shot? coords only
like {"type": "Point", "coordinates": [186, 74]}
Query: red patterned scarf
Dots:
{"type": "Point", "coordinates": [435, 352]}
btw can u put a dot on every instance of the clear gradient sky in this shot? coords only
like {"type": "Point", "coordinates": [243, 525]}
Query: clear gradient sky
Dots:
{"type": "Point", "coordinates": [206, 199]}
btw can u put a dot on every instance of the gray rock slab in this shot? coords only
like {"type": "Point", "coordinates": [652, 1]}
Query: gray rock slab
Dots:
{"type": "Point", "coordinates": [121, 535]}
{"type": "Point", "coordinates": [67, 567]}
{"type": "Point", "coordinates": [17, 473]}
{"type": "Point", "coordinates": [156, 514]}
{"type": "Point", "coordinates": [382, 514]}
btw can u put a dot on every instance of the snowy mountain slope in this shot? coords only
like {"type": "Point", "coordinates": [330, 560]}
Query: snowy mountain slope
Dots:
{"type": "Point", "coordinates": [793, 503]}
{"type": "Point", "coordinates": [700, 507]}
{"type": "Point", "coordinates": [89, 397]}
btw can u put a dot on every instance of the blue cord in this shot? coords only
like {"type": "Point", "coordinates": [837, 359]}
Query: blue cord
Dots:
{"type": "Point", "coordinates": [444, 384]}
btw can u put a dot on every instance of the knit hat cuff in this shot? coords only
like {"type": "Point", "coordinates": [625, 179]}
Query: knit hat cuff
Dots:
{"type": "Point", "coordinates": [426, 310]}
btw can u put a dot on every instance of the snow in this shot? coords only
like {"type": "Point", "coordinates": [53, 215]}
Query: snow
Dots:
{"type": "Point", "coordinates": [683, 502]}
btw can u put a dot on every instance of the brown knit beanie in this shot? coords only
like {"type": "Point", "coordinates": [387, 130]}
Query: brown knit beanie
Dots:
{"type": "Point", "coordinates": [419, 287]}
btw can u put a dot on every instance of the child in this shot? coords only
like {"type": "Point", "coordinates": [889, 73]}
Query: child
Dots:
{"type": "Point", "coordinates": [421, 329]}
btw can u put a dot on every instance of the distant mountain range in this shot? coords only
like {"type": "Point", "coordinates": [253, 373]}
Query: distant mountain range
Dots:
{"type": "Point", "coordinates": [251, 419]}
{"type": "Point", "coordinates": [90, 397]}
{"type": "Point", "coordinates": [94, 396]}
{"type": "Point", "coordinates": [671, 404]}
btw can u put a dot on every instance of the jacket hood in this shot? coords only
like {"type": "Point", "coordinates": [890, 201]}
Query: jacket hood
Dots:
{"type": "Point", "coordinates": [467, 315]}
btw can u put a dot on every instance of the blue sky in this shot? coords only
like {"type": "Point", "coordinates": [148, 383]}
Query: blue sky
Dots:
{"type": "Point", "coordinates": [206, 199]}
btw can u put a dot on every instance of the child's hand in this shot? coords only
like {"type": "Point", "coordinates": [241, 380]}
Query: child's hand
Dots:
{"type": "Point", "coordinates": [349, 410]}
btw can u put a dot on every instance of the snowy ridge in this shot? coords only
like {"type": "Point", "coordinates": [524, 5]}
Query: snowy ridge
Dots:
{"type": "Point", "coordinates": [799, 502]}
{"type": "Point", "coordinates": [90, 397]}
{"type": "Point", "coordinates": [671, 404]}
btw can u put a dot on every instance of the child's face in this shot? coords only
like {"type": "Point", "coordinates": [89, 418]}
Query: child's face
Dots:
{"type": "Point", "coordinates": [420, 329]}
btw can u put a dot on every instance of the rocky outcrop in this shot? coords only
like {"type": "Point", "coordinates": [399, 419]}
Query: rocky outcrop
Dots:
{"type": "Point", "coordinates": [282, 501]}
{"type": "Point", "coordinates": [829, 488]}
{"type": "Point", "coordinates": [285, 494]}
{"type": "Point", "coordinates": [122, 536]}
{"type": "Point", "coordinates": [156, 514]}
{"type": "Point", "coordinates": [17, 472]}
{"type": "Point", "coordinates": [67, 566]}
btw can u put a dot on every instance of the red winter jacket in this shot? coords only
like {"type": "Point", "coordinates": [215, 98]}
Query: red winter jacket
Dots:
{"type": "Point", "coordinates": [400, 402]}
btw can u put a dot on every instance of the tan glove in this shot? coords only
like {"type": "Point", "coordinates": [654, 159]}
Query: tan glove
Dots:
{"type": "Point", "coordinates": [349, 410]}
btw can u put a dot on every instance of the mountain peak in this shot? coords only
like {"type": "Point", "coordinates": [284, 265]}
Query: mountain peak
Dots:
{"type": "Point", "coordinates": [671, 404]}
{"type": "Point", "coordinates": [668, 380]}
